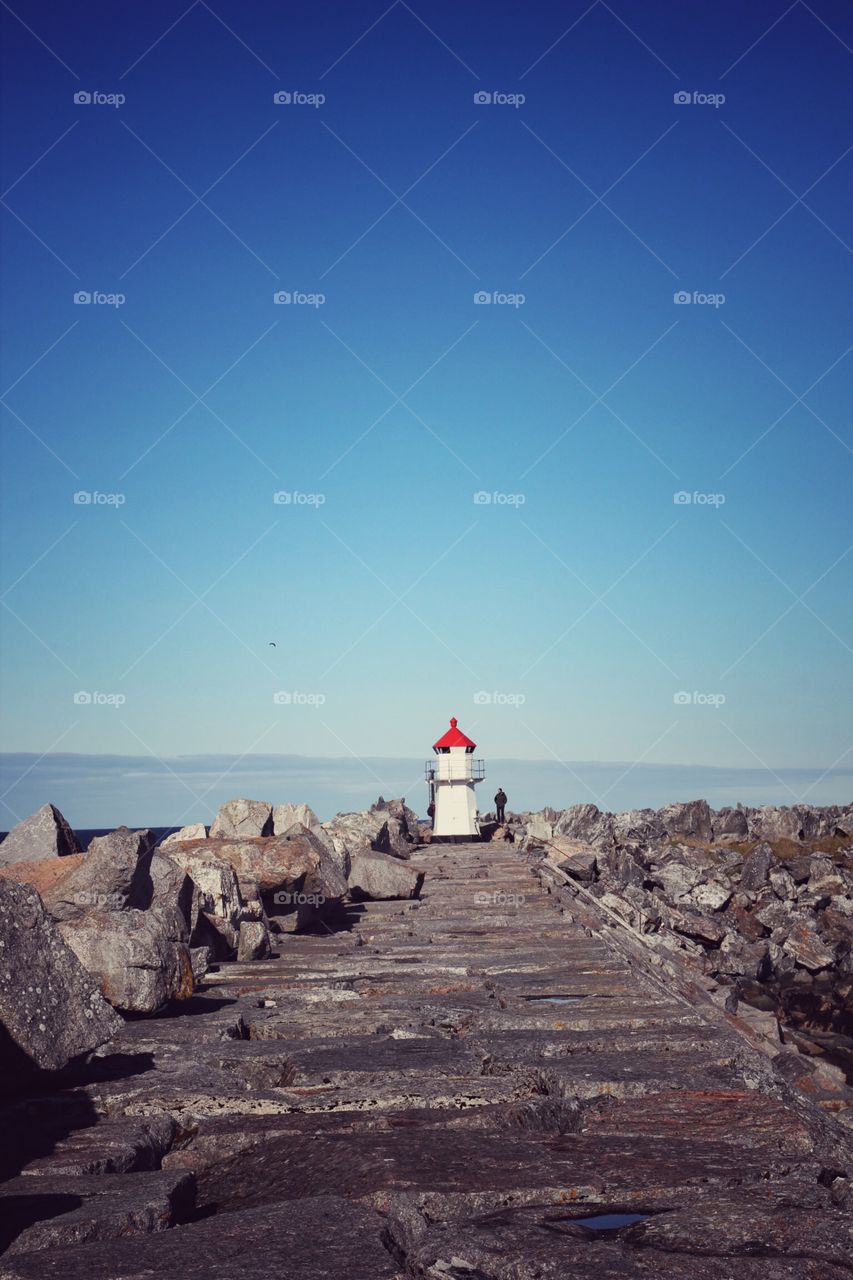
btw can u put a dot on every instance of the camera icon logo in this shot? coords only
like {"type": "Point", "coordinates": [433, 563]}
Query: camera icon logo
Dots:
{"type": "Point", "coordinates": [82, 98]}
{"type": "Point", "coordinates": [682, 698]}
{"type": "Point", "coordinates": [282, 498]}
{"type": "Point", "coordinates": [82, 297]}
{"type": "Point", "coordinates": [282, 698]}
{"type": "Point", "coordinates": [681, 297]}
{"type": "Point", "coordinates": [482, 297]}
{"type": "Point", "coordinates": [682, 498]}
{"type": "Point", "coordinates": [82, 698]}
{"type": "Point", "coordinates": [682, 98]}
{"type": "Point", "coordinates": [481, 498]}
{"type": "Point", "coordinates": [82, 498]}
{"type": "Point", "coordinates": [281, 298]}
{"type": "Point", "coordinates": [482, 97]}
{"type": "Point", "coordinates": [282, 98]}
{"type": "Point", "coordinates": [482, 699]}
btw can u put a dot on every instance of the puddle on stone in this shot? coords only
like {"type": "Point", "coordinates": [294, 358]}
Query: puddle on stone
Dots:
{"type": "Point", "coordinates": [608, 1221]}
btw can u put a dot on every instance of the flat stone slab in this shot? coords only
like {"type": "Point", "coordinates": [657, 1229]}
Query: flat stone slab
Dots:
{"type": "Point", "coordinates": [64, 1209]}
{"type": "Point", "coordinates": [315, 1239]}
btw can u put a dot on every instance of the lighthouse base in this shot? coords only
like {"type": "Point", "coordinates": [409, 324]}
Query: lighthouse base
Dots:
{"type": "Point", "coordinates": [475, 839]}
{"type": "Point", "coordinates": [455, 811]}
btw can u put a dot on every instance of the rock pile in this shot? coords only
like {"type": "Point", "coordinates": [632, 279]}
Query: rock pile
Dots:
{"type": "Point", "coordinates": [145, 922]}
{"type": "Point", "coordinates": [758, 900]}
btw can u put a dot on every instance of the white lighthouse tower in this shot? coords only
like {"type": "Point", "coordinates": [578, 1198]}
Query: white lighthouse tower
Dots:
{"type": "Point", "coordinates": [452, 777]}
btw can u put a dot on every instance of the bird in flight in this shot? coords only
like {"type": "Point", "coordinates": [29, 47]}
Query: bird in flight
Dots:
{"type": "Point", "coordinates": [273, 644]}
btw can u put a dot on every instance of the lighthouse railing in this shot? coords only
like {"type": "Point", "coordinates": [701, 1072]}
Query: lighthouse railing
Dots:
{"type": "Point", "coordinates": [455, 769]}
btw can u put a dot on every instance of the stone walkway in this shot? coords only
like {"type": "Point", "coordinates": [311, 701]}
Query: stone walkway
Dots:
{"type": "Point", "coordinates": [453, 1088]}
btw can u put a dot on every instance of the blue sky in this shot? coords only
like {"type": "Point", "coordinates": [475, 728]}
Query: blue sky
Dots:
{"type": "Point", "coordinates": [582, 598]}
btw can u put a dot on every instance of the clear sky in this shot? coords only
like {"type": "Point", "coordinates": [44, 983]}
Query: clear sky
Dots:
{"type": "Point", "coordinates": [560, 619]}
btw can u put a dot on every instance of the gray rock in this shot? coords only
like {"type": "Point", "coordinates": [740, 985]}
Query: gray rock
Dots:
{"type": "Point", "coordinates": [808, 949]}
{"type": "Point", "coordinates": [50, 1007]}
{"type": "Point", "coordinates": [711, 895]}
{"type": "Point", "coordinates": [676, 878]}
{"type": "Point", "coordinates": [782, 883]}
{"type": "Point", "coordinates": [618, 866]}
{"type": "Point", "coordinates": [285, 816]}
{"type": "Point", "coordinates": [376, 875]}
{"type": "Point", "coordinates": [44, 834]}
{"type": "Point", "coordinates": [730, 824]}
{"type": "Point", "coordinates": [242, 819]}
{"type": "Point", "coordinates": [587, 823]}
{"type": "Point", "coordinates": [574, 858]}
{"type": "Point", "coordinates": [637, 827]}
{"type": "Point", "coordinates": [740, 958]}
{"type": "Point", "coordinates": [756, 868]}
{"type": "Point", "coordinates": [692, 818]}
{"type": "Point", "coordinates": [800, 868]}
{"type": "Point", "coordinates": [115, 875]}
{"type": "Point", "coordinates": [221, 907]}
{"type": "Point", "coordinates": [138, 962]}
{"type": "Point", "coordinates": [254, 942]}
{"type": "Point", "coordinates": [195, 831]}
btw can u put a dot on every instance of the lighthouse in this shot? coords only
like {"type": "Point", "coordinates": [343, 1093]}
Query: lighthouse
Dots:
{"type": "Point", "coordinates": [451, 778]}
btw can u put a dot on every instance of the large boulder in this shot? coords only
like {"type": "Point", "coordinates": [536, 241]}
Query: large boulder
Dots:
{"type": "Point", "coordinates": [285, 816]}
{"type": "Point", "coordinates": [129, 912]}
{"type": "Point", "coordinates": [221, 906]}
{"type": "Point", "coordinates": [730, 824]}
{"type": "Point", "coordinates": [587, 823]}
{"type": "Point", "coordinates": [573, 858]}
{"type": "Point", "coordinates": [44, 834]}
{"type": "Point", "coordinates": [637, 829]}
{"type": "Point", "coordinates": [376, 875]}
{"type": "Point", "coordinates": [388, 826]}
{"type": "Point", "coordinates": [283, 871]}
{"type": "Point", "coordinates": [242, 819]}
{"type": "Point", "coordinates": [756, 868]}
{"type": "Point", "coordinates": [691, 819]}
{"type": "Point", "coordinates": [134, 955]}
{"type": "Point", "coordinates": [50, 1008]}
{"type": "Point", "coordinates": [794, 822]}
{"type": "Point", "coordinates": [195, 831]}
{"type": "Point", "coordinates": [114, 875]}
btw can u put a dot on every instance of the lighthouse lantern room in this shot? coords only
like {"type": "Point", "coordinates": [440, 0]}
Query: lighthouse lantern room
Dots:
{"type": "Point", "coordinates": [451, 778]}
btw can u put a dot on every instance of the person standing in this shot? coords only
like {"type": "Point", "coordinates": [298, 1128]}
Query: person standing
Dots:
{"type": "Point", "coordinates": [500, 806]}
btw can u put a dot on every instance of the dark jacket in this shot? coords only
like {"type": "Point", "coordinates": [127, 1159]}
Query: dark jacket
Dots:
{"type": "Point", "coordinates": [500, 798]}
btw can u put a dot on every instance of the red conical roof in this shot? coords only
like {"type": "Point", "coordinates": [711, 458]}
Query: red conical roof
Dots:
{"type": "Point", "coordinates": [454, 737]}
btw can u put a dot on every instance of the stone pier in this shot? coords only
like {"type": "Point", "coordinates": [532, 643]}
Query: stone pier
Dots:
{"type": "Point", "coordinates": [491, 1082]}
